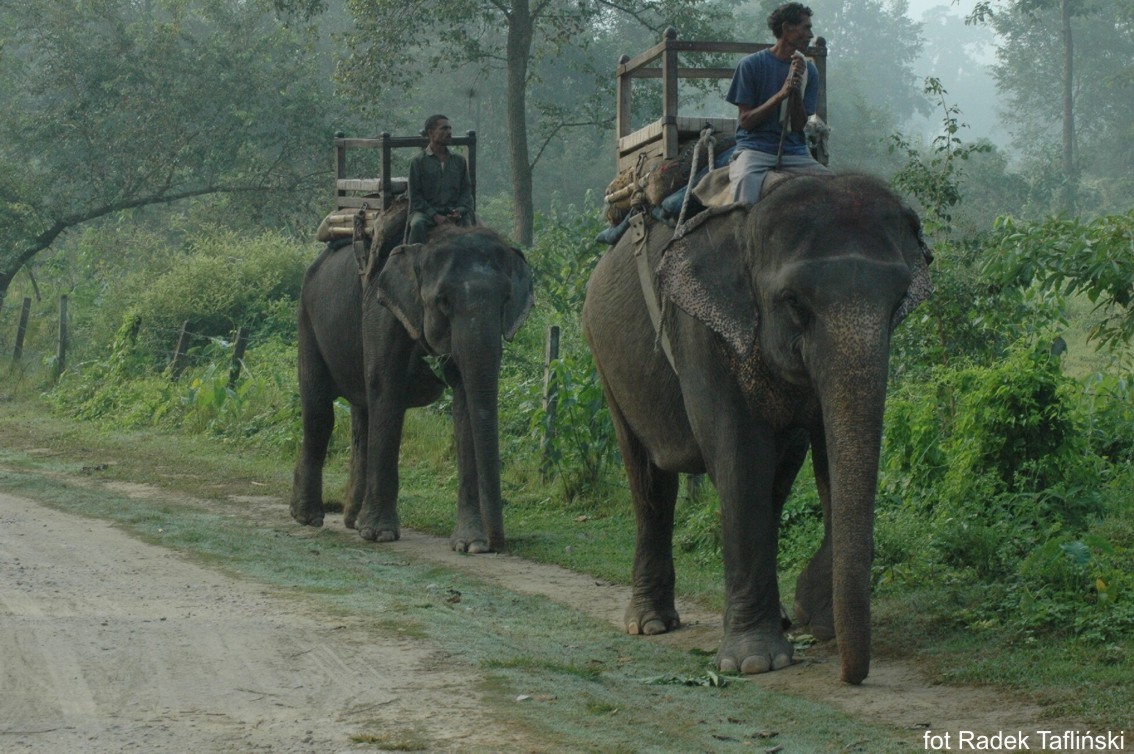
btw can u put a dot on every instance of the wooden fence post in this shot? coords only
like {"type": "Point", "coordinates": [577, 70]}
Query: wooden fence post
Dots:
{"type": "Point", "coordinates": [61, 352]}
{"type": "Point", "coordinates": [22, 329]}
{"type": "Point", "coordinates": [550, 398]}
{"type": "Point", "coordinates": [178, 362]}
{"type": "Point", "coordinates": [237, 357]}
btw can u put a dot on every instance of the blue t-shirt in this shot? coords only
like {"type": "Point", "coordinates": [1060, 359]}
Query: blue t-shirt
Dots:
{"type": "Point", "coordinates": [757, 78]}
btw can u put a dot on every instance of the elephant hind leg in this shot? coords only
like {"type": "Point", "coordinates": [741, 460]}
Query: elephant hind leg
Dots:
{"type": "Point", "coordinates": [423, 385]}
{"type": "Point", "coordinates": [654, 491]}
{"type": "Point", "coordinates": [317, 394]}
{"type": "Point", "coordinates": [356, 487]}
{"type": "Point", "coordinates": [814, 589]}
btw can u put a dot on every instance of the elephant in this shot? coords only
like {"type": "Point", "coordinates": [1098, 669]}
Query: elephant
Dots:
{"type": "Point", "coordinates": [365, 335]}
{"type": "Point", "coordinates": [772, 337]}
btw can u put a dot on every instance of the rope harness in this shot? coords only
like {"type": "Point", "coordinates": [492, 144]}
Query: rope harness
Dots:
{"type": "Point", "coordinates": [640, 236]}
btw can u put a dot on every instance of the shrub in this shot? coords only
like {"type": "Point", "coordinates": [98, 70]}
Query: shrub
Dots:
{"type": "Point", "coordinates": [224, 280]}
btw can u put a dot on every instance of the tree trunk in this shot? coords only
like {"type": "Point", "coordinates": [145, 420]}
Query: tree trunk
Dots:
{"type": "Point", "coordinates": [1069, 168]}
{"type": "Point", "coordinates": [519, 53]}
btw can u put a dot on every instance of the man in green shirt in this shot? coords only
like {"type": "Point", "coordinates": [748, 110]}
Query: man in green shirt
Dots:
{"type": "Point", "coordinates": [439, 189]}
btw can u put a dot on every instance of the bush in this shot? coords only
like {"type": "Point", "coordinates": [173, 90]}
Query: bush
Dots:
{"type": "Point", "coordinates": [582, 451]}
{"type": "Point", "coordinates": [224, 280]}
{"type": "Point", "coordinates": [992, 480]}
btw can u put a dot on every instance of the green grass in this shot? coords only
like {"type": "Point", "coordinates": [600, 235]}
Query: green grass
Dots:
{"type": "Point", "coordinates": [591, 533]}
{"type": "Point", "coordinates": [583, 685]}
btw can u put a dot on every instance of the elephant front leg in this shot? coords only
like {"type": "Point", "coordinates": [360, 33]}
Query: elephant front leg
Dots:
{"type": "Point", "coordinates": [754, 640]}
{"type": "Point", "coordinates": [377, 520]}
{"type": "Point", "coordinates": [468, 534]}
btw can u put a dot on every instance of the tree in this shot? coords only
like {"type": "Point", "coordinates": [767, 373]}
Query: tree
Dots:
{"type": "Point", "coordinates": [115, 104]}
{"type": "Point", "coordinates": [399, 42]}
{"type": "Point", "coordinates": [1038, 65]}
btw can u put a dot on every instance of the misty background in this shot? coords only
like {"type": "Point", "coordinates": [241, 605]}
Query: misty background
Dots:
{"type": "Point", "coordinates": [177, 113]}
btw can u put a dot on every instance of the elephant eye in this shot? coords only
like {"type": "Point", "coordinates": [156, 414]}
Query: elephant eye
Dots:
{"type": "Point", "coordinates": [799, 313]}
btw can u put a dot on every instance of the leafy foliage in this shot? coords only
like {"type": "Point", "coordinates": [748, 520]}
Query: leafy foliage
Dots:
{"type": "Point", "coordinates": [935, 178]}
{"type": "Point", "coordinates": [997, 461]}
{"type": "Point", "coordinates": [1069, 256]}
{"type": "Point", "coordinates": [130, 104]}
{"type": "Point", "coordinates": [223, 281]}
{"type": "Point", "coordinates": [574, 429]}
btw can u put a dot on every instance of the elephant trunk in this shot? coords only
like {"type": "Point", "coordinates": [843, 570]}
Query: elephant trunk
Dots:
{"type": "Point", "coordinates": [480, 378]}
{"type": "Point", "coordinates": [853, 406]}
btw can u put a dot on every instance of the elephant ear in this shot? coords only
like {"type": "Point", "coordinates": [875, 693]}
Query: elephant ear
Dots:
{"type": "Point", "coordinates": [704, 273]}
{"type": "Point", "coordinates": [523, 297]}
{"type": "Point", "coordinates": [921, 287]}
{"type": "Point", "coordinates": [399, 288]}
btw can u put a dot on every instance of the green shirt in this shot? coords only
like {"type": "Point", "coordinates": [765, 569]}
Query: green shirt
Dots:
{"type": "Point", "coordinates": [438, 188]}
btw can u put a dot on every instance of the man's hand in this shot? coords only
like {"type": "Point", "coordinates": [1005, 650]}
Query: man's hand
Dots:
{"type": "Point", "coordinates": [440, 219]}
{"type": "Point", "coordinates": [798, 67]}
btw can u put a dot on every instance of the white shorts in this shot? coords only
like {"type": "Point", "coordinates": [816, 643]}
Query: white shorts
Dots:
{"type": "Point", "coordinates": [748, 167]}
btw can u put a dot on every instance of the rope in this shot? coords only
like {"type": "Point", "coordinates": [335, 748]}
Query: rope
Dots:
{"type": "Point", "coordinates": [707, 141]}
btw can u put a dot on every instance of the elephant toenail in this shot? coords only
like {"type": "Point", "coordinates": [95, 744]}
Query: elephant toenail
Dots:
{"type": "Point", "coordinates": [755, 664]}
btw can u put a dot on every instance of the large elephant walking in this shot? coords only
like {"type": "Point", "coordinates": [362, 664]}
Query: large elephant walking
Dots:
{"type": "Point", "coordinates": [455, 297]}
{"type": "Point", "coordinates": [778, 320]}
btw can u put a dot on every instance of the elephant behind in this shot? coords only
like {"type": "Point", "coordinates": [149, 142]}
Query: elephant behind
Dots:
{"type": "Point", "coordinates": [365, 338]}
{"type": "Point", "coordinates": [776, 319]}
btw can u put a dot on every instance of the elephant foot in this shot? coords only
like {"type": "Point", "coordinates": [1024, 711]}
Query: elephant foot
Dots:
{"type": "Point", "coordinates": [307, 514]}
{"type": "Point", "coordinates": [472, 547]}
{"type": "Point", "coordinates": [377, 528]}
{"type": "Point", "coordinates": [756, 651]}
{"type": "Point", "coordinates": [378, 535]}
{"type": "Point", "coordinates": [650, 620]}
{"type": "Point", "coordinates": [469, 536]}
{"type": "Point", "coordinates": [814, 600]}
{"type": "Point", "coordinates": [817, 619]}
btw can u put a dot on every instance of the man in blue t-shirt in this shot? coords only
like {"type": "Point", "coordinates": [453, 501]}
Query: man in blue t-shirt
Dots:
{"type": "Point", "coordinates": [766, 89]}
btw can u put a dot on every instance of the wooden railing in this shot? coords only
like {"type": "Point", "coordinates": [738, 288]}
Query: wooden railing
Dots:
{"type": "Point", "coordinates": [661, 137]}
{"type": "Point", "coordinates": [379, 192]}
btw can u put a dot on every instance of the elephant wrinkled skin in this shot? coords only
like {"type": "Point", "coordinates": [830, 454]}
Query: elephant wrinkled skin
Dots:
{"type": "Point", "coordinates": [779, 318]}
{"type": "Point", "coordinates": [455, 297]}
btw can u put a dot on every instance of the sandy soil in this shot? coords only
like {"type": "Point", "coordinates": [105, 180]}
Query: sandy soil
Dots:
{"type": "Point", "coordinates": [111, 644]}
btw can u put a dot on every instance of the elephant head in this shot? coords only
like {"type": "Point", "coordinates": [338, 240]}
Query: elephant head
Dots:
{"type": "Point", "coordinates": [459, 295]}
{"type": "Point", "coordinates": [438, 287]}
{"type": "Point", "coordinates": [804, 290]}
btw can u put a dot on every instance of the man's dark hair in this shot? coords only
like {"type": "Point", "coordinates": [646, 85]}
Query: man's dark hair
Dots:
{"type": "Point", "coordinates": [788, 13]}
{"type": "Point", "coordinates": [431, 123]}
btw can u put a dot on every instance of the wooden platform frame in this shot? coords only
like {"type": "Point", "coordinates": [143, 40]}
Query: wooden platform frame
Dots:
{"type": "Point", "coordinates": [354, 192]}
{"type": "Point", "coordinates": [661, 138]}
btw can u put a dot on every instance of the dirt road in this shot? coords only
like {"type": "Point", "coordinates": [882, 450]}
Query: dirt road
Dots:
{"type": "Point", "coordinates": [111, 644]}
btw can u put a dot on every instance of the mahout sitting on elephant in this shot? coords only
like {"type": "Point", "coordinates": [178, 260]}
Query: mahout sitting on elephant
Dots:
{"type": "Point", "coordinates": [773, 336]}
{"type": "Point", "coordinates": [454, 297]}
